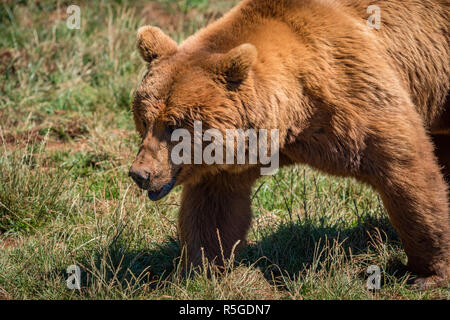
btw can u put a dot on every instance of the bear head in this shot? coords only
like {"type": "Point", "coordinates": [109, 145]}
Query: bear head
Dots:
{"type": "Point", "coordinates": [184, 85]}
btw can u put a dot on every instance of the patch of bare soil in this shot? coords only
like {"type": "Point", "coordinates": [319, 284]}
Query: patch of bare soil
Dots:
{"type": "Point", "coordinates": [4, 295]}
{"type": "Point", "coordinates": [8, 243]}
{"type": "Point", "coordinates": [155, 14]}
{"type": "Point", "coordinates": [59, 14]}
{"type": "Point", "coordinates": [60, 136]}
{"type": "Point", "coordinates": [171, 18]}
{"type": "Point", "coordinates": [23, 138]}
{"type": "Point", "coordinates": [12, 59]}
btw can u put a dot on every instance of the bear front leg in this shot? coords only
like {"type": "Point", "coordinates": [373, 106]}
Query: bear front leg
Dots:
{"type": "Point", "coordinates": [218, 206]}
{"type": "Point", "coordinates": [404, 169]}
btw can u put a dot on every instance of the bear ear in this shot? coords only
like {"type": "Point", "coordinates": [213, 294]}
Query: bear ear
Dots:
{"type": "Point", "coordinates": [236, 64]}
{"type": "Point", "coordinates": [152, 43]}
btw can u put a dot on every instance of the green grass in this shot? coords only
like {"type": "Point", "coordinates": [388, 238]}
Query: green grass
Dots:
{"type": "Point", "coordinates": [67, 139]}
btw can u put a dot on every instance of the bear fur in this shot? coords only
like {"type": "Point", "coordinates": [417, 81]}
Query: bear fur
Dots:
{"type": "Point", "coordinates": [347, 99]}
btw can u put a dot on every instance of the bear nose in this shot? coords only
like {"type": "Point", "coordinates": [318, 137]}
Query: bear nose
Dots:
{"type": "Point", "coordinates": [140, 176]}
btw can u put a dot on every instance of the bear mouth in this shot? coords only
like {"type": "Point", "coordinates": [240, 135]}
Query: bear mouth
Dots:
{"type": "Point", "coordinates": [164, 191]}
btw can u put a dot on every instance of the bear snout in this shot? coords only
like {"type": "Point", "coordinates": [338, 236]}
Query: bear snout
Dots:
{"type": "Point", "coordinates": [140, 176]}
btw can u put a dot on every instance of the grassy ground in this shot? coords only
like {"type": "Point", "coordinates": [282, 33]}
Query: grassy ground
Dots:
{"type": "Point", "coordinates": [67, 139]}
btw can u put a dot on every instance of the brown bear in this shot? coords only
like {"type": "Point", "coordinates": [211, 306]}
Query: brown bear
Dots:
{"type": "Point", "coordinates": [347, 99]}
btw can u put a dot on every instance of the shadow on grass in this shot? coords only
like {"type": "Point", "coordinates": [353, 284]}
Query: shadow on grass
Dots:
{"type": "Point", "coordinates": [292, 248]}
{"type": "Point", "coordinates": [118, 265]}
{"type": "Point", "coordinates": [287, 251]}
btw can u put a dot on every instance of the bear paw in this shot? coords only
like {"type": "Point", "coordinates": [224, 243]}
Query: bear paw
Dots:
{"type": "Point", "coordinates": [431, 282]}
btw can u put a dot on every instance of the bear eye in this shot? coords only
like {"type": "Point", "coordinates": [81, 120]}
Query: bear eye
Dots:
{"type": "Point", "coordinates": [169, 130]}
